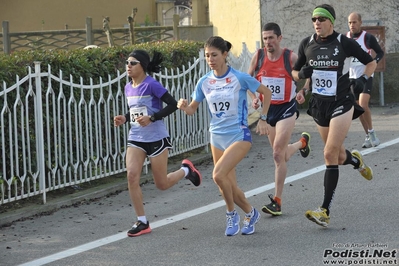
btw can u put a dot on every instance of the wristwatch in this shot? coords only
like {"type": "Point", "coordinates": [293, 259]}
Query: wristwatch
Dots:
{"type": "Point", "coordinates": [152, 118]}
{"type": "Point", "coordinates": [263, 117]}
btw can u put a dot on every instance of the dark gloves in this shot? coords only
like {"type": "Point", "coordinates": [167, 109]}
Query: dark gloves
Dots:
{"type": "Point", "coordinates": [305, 72]}
{"type": "Point", "coordinates": [358, 84]}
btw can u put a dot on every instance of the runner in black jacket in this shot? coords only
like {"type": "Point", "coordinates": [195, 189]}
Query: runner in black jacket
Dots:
{"type": "Point", "coordinates": [323, 57]}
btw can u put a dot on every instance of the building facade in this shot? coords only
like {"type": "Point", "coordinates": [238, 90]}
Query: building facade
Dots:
{"type": "Point", "coordinates": [241, 20]}
{"type": "Point", "coordinates": [28, 15]}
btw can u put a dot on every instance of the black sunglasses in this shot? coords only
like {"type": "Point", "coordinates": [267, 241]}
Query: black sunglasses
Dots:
{"type": "Point", "coordinates": [320, 19]}
{"type": "Point", "coordinates": [132, 63]}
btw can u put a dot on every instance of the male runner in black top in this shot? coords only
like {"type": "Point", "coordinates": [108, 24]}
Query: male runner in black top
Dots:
{"type": "Point", "coordinates": [322, 58]}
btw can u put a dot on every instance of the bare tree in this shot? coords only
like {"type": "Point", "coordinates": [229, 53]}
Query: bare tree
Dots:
{"type": "Point", "coordinates": [108, 31]}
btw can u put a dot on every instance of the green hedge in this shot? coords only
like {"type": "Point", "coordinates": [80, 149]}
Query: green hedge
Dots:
{"type": "Point", "coordinates": [93, 63]}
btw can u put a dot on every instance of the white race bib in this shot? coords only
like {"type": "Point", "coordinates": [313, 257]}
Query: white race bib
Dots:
{"type": "Point", "coordinates": [136, 112]}
{"type": "Point", "coordinates": [324, 82]}
{"type": "Point", "coordinates": [277, 86]}
{"type": "Point", "coordinates": [222, 103]}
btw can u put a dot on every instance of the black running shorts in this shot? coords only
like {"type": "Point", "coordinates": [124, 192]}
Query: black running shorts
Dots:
{"type": "Point", "coordinates": [323, 111]}
{"type": "Point", "coordinates": [151, 148]}
{"type": "Point", "coordinates": [279, 112]}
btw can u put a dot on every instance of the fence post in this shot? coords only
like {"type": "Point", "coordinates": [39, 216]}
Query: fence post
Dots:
{"type": "Point", "coordinates": [244, 48]}
{"type": "Point", "coordinates": [176, 33]}
{"type": "Point", "coordinates": [382, 102]}
{"type": "Point", "coordinates": [6, 38]}
{"type": "Point", "coordinates": [201, 55]}
{"type": "Point", "coordinates": [89, 31]}
{"type": "Point", "coordinates": [39, 132]}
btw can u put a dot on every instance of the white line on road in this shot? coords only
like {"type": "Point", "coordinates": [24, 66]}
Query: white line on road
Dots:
{"type": "Point", "coordinates": [185, 215]}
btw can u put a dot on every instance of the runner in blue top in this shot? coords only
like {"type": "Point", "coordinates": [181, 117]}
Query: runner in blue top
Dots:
{"type": "Point", "coordinates": [227, 99]}
{"type": "Point", "coordinates": [225, 90]}
{"type": "Point", "coordinates": [148, 135]}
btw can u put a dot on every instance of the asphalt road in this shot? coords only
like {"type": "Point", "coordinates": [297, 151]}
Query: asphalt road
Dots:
{"type": "Point", "coordinates": [188, 222]}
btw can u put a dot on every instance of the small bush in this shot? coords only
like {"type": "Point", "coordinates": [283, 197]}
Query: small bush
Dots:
{"type": "Point", "coordinates": [94, 63]}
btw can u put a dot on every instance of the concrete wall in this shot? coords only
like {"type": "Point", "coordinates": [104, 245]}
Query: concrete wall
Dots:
{"type": "Point", "coordinates": [236, 21]}
{"type": "Point", "coordinates": [241, 20]}
{"type": "Point", "coordinates": [34, 15]}
{"type": "Point", "coordinates": [195, 33]}
{"type": "Point", "coordinates": [293, 16]}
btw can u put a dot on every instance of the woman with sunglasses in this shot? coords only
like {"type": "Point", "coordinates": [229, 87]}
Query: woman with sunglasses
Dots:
{"type": "Point", "coordinates": [225, 90]}
{"type": "Point", "coordinates": [322, 58]}
{"type": "Point", "coordinates": [148, 136]}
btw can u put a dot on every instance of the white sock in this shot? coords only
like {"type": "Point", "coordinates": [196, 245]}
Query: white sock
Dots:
{"type": "Point", "coordinates": [230, 213]}
{"type": "Point", "coordinates": [251, 213]}
{"type": "Point", "coordinates": [186, 170]}
{"type": "Point", "coordinates": [142, 218]}
{"type": "Point", "coordinates": [371, 130]}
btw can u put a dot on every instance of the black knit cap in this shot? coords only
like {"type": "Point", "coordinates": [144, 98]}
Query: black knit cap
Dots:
{"type": "Point", "coordinates": [141, 56]}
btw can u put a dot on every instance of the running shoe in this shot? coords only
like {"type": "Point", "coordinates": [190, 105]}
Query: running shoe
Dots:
{"type": "Point", "coordinates": [373, 139]}
{"type": "Point", "coordinates": [367, 143]}
{"type": "Point", "coordinates": [318, 216]}
{"type": "Point", "coordinates": [232, 224]}
{"type": "Point", "coordinates": [305, 151]}
{"type": "Point", "coordinates": [364, 170]}
{"type": "Point", "coordinates": [272, 208]}
{"type": "Point", "coordinates": [194, 175]}
{"type": "Point", "coordinates": [139, 228]}
{"type": "Point", "coordinates": [249, 223]}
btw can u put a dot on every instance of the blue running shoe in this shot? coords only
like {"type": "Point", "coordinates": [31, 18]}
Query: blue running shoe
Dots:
{"type": "Point", "coordinates": [232, 223]}
{"type": "Point", "coordinates": [249, 223]}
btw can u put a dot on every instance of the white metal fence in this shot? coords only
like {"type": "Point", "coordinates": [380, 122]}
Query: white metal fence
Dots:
{"type": "Point", "coordinates": [56, 133]}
